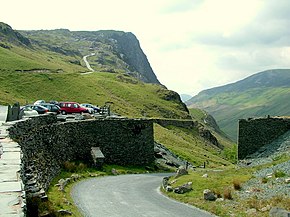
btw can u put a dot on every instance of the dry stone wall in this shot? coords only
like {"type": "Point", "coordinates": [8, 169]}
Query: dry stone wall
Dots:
{"type": "Point", "coordinates": [255, 133]}
{"type": "Point", "coordinates": [46, 144]}
{"type": "Point", "coordinates": [189, 124]}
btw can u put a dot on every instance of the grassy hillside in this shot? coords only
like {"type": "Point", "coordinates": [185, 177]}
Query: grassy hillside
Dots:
{"type": "Point", "coordinates": [129, 96]}
{"type": "Point", "coordinates": [263, 94]}
{"type": "Point", "coordinates": [190, 146]}
{"type": "Point", "coordinates": [24, 59]}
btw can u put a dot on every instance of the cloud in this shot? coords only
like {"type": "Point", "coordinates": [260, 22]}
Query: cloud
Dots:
{"type": "Point", "coordinates": [179, 6]}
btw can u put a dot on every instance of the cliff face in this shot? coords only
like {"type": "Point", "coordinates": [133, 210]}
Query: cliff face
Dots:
{"type": "Point", "coordinates": [113, 51]}
{"type": "Point", "coordinates": [134, 56]}
{"type": "Point", "coordinates": [7, 34]}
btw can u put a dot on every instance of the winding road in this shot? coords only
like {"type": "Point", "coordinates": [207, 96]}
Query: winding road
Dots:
{"type": "Point", "coordinates": [88, 64]}
{"type": "Point", "coordinates": [129, 196]}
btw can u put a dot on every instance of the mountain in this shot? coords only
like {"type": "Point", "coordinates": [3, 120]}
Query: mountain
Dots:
{"type": "Point", "coordinates": [262, 94]}
{"type": "Point", "coordinates": [113, 51]}
{"type": "Point", "coordinates": [185, 97]}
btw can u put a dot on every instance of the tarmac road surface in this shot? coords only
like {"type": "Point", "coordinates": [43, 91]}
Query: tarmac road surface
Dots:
{"type": "Point", "coordinates": [129, 196]}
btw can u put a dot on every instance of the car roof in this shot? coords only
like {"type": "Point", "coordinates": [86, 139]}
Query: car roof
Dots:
{"type": "Point", "coordinates": [70, 102]}
{"type": "Point", "coordinates": [47, 104]}
{"type": "Point", "coordinates": [31, 105]}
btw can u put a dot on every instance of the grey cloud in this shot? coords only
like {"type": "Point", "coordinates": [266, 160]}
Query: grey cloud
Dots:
{"type": "Point", "coordinates": [276, 33]}
{"type": "Point", "coordinates": [270, 27]}
{"type": "Point", "coordinates": [251, 60]}
{"type": "Point", "coordinates": [274, 9]}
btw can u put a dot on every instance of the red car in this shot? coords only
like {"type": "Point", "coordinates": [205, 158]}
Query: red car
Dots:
{"type": "Point", "coordinates": [71, 107]}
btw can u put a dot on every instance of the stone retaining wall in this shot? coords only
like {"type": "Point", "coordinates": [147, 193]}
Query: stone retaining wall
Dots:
{"type": "Point", "coordinates": [255, 133]}
{"type": "Point", "coordinates": [47, 144]}
{"type": "Point", "coordinates": [189, 124]}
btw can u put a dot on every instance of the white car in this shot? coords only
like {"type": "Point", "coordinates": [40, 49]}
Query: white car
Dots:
{"type": "Point", "coordinates": [90, 110]}
{"type": "Point", "coordinates": [38, 102]}
{"type": "Point", "coordinates": [27, 112]}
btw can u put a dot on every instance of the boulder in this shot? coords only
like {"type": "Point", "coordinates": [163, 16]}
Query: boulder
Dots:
{"type": "Point", "coordinates": [181, 171]}
{"type": "Point", "coordinates": [169, 188]}
{"type": "Point", "coordinates": [279, 212]}
{"type": "Point", "coordinates": [209, 195]}
{"type": "Point", "coordinates": [266, 208]}
{"type": "Point", "coordinates": [183, 188]}
{"type": "Point", "coordinates": [251, 212]}
{"type": "Point", "coordinates": [64, 212]}
{"type": "Point", "coordinates": [220, 199]}
{"type": "Point", "coordinates": [165, 182]}
{"type": "Point", "coordinates": [114, 172]}
{"type": "Point", "coordinates": [62, 183]}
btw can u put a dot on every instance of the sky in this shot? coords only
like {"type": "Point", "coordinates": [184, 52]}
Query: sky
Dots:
{"type": "Point", "coordinates": [192, 45]}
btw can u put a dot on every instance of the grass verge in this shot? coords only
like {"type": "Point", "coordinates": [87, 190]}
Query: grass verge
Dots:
{"type": "Point", "coordinates": [226, 183]}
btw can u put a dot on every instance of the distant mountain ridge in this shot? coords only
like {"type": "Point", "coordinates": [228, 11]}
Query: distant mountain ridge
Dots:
{"type": "Point", "coordinates": [269, 78]}
{"type": "Point", "coordinates": [264, 93]}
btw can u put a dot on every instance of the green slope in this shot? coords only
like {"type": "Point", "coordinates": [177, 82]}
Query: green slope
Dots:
{"type": "Point", "coordinates": [25, 59]}
{"type": "Point", "coordinates": [130, 97]}
{"type": "Point", "coordinates": [263, 94]}
{"type": "Point", "coordinates": [190, 146]}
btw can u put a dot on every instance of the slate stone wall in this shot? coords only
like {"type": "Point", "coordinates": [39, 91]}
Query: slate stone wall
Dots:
{"type": "Point", "coordinates": [189, 124]}
{"type": "Point", "coordinates": [46, 144]}
{"type": "Point", "coordinates": [255, 133]}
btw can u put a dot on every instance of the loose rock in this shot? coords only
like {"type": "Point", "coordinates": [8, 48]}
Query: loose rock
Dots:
{"type": "Point", "coordinates": [209, 195]}
{"type": "Point", "coordinates": [184, 188]}
{"type": "Point", "coordinates": [279, 212]}
{"type": "Point", "coordinates": [181, 171]}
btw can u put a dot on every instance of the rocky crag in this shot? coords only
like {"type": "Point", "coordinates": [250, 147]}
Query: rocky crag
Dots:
{"type": "Point", "coordinates": [111, 51]}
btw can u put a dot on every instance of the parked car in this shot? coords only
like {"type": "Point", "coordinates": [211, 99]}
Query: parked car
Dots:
{"type": "Point", "coordinates": [51, 107]}
{"type": "Point", "coordinates": [39, 108]}
{"type": "Point", "coordinates": [90, 110]}
{"type": "Point", "coordinates": [53, 102]}
{"type": "Point", "coordinates": [27, 111]}
{"type": "Point", "coordinates": [95, 108]}
{"type": "Point", "coordinates": [38, 102]}
{"type": "Point", "coordinates": [71, 107]}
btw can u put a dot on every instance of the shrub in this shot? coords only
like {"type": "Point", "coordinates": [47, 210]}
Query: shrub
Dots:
{"type": "Point", "coordinates": [253, 202]}
{"type": "Point", "coordinates": [74, 167]}
{"type": "Point", "coordinates": [237, 184]}
{"type": "Point", "coordinates": [264, 180]}
{"type": "Point", "coordinates": [217, 193]}
{"type": "Point", "coordinates": [69, 166]}
{"type": "Point", "coordinates": [227, 194]}
{"type": "Point", "coordinates": [279, 174]}
{"type": "Point", "coordinates": [81, 167]}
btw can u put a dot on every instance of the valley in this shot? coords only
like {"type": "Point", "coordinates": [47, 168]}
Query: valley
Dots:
{"type": "Point", "coordinates": [109, 66]}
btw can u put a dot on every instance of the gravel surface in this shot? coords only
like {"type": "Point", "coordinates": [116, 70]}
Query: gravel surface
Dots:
{"type": "Point", "coordinates": [266, 183]}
